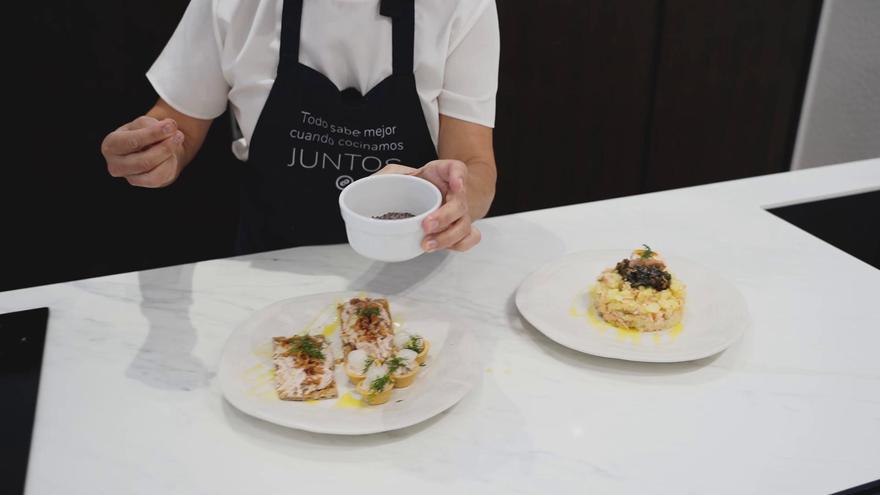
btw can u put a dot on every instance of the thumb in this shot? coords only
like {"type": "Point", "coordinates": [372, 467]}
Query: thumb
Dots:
{"type": "Point", "coordinates": [456, 184]}
{"type": "Point", "coordinates": [455, 172]}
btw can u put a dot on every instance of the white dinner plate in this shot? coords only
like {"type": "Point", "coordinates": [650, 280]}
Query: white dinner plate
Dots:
{"type": "Point", "coordinates": [246, 371]}
{"type": "Point", "coordinates": [555, 300]}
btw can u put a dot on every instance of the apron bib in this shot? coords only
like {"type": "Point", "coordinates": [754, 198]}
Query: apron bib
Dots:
{"type": "Point", "coordinates": [312, 140]}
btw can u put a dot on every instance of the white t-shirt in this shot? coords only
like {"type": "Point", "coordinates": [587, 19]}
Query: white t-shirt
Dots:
{"type": "Point", "coordinates": [227, 50]}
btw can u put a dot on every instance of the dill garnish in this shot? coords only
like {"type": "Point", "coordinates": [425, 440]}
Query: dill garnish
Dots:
{"type": "Point", "coordinates": [395, 363]}
{"type": "Point", "coordinates": [306, 345]}
{"type": "Point", "coordinates": [369, 311]}
{"type": "Point", "coordinates": [647, 253]}
{"type": "Point", "coordinates": [380, 383]}
{"type": "Point", "coordinates": [367, 364]}
{"type": "Point", "coordinates": [415, 344]}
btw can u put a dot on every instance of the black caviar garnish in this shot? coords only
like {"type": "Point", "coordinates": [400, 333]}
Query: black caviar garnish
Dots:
{"type": "Point", "coordinates": [644, 276]}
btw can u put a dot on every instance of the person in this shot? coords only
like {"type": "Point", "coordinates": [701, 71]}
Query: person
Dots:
{"type": "Point", "coordinates": [326, 92]}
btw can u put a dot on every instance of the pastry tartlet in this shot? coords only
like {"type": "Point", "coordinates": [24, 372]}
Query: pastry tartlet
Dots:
{"type": "Point", "coordinates": [403, 367]}
{"type": "Point", "coordinates": [376, 388]}
{"type": "Point", "coordinates": [357, 363]}
{"type": "Point", "coordinates": [415, 343]}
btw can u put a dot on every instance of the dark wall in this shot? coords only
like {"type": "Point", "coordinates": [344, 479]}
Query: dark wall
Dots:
{"type": "Point", "coordinates": [597, 98]}
{"type": "Point", "coordinates": [730, 82]}
{"type": "Point", "coordinates": [575, 86]}
{"type": "Point", "coordinates": [602, 98]}
{"type": "Point", "coordinates": [64, 216]}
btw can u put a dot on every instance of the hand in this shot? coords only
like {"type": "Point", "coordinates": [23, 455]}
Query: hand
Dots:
{"type": "Point", "coordinates": [146, 152]}
{"type": "Point", "coordinates": [450, 227]}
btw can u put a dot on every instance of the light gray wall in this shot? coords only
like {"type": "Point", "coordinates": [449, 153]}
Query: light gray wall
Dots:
{"type": "Point", "coordinates": [840, 119]}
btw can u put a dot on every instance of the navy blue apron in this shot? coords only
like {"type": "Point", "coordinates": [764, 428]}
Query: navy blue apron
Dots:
{"type": "Point", "coordinates": [312, 140]}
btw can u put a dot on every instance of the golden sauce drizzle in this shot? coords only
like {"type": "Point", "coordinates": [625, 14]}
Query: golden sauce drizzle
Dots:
{"type": "Point", "coordinates": [262, 381]}
{"type": "Point", "coordinates": [331, 328]}
{"type": "Point", "coordinates": [310, 326]}
{"type": "Point", "coordinates": [263, 390]}
{"type": "Point", "coordinates": [266, 376]}
{"type": "Point", "coordinates": [623, 334]}
{"type": "Point", "coordinates": [348, 401]}
{"type": "Point", "coordinates": [263, 351]}
{"type": "Point", "coordinates": [254, 369]}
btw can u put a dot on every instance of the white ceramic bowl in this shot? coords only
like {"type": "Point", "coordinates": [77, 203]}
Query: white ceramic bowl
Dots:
{"type": "Point", "coordinates": [387, 240]}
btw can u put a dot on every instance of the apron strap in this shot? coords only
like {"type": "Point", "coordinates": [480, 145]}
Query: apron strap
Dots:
{"type": "Point", "coordinates": [291, 20]}
{"type": "Point", "coordinates": [402, 14]}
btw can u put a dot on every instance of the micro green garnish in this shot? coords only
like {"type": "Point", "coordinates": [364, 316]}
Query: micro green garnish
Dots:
{"type": "Point", "coordinates": [306, 345]}
{"type": "Point", "coordinates": [414, 344]}
{"type": "Point", "coordinates": [367, 364]}
{"type": "Point", "coordinates": [395, 363]}
{"type": "Point", "coordinates": [369, 311]}
{"type": "Point", "coordinates": [647, 253]}
{"type": "Point", "coordinates": [380, 383]}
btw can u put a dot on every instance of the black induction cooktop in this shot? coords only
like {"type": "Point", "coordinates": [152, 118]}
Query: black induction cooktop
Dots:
{"type": "Point", "coordinates": [851, 223]}
{"type": "Point", "coordinates": [22, 336]}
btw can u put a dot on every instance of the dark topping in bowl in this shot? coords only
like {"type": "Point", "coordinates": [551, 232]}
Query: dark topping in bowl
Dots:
{"type": "Point", "coordinates": [652, 276]}
{"type": "Point", "coordinates": [394, 215]}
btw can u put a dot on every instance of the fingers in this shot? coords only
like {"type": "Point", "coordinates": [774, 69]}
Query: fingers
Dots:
{"type": "Point", "coordinates": [146, 160]}
{"type": "Point", "coordinates": [456, 233]}
{"type": "Point", "coordinates": [162, 175]}
{"type": "Point", "coordinates": [447, 175]}
{"type": "Point", "coordinates": [137, 135]}
{"type": "Point", "coordinates": [451, 172]}
{"type": "Point", "coordinates": [455, 175]}
{"type": "Point", "coordinates": [472, 239]}
{"type": "Point", "coordinates": [141, 122]}
{"type": "Point", "coordinates": [394, 168]}
{"type": "Point", "coordinates": [455, 208]}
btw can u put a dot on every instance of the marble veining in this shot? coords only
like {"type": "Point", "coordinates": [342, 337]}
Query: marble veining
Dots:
{"type": "Point", "coordinates": [129, 402]}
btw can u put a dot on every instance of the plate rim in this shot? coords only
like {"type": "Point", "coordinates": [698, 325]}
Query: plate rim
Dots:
{"type": "Point", "coordinates": [231, 398]}
{"type": "Point", "coordinates": [694, 356]}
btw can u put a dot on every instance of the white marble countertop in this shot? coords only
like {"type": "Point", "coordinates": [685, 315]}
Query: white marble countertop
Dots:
{"type": "Point", "coordinates": [129, 401]}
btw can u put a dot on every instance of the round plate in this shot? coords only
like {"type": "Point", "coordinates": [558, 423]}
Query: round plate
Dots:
{"type": "Point", "coordinates": [555, 299]}
{"type": "Point", "coordinates": [247, 374]}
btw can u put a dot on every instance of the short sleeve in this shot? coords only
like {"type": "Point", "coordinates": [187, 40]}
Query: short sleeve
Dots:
{"type": "Point", "coordinates": [471, 76]}
{"type": "Point", "coordinates": [188, 74]}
